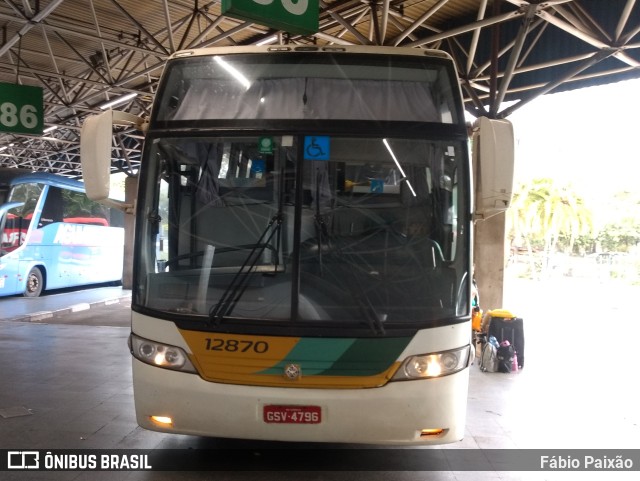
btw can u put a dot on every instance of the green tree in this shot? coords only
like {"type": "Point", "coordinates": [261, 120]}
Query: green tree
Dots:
{"type": "Point", "coordinates": [543, 212]}
{"type": "Point", "coordinates": [620, 236]}
{"type": "Point", "coordinates": [622, 230]}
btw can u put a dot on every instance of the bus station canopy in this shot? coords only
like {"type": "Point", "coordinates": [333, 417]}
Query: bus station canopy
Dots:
{"type": "Point", "coordinates": [87, 54]}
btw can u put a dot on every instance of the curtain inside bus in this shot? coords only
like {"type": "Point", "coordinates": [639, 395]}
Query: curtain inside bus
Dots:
{"type": "Point", "coordinates": [301, 98]}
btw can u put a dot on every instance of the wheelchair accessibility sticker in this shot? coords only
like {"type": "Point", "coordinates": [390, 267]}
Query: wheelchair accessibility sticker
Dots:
{"type": "Point", "coordinates": [316, 148]}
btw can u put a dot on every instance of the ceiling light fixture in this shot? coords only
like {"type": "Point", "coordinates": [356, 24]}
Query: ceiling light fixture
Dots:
{"type": "Point", "coordinates": [267, 40]}
{"type": "Point", "coordinates": [118, 101]}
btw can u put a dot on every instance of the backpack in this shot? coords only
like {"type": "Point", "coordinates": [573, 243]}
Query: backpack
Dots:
{"type": "Point", "coordinates": [489, 358]}
{"type": "Point", "coordinates": [505, 355]}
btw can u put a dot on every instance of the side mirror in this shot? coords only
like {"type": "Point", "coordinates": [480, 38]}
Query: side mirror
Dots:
{"type": "Point", "coordinates": [95, 153]}
{"type": "Point", "coordinates": [4, 208]}
{"type": "Point", "coordinates": [493, 164]}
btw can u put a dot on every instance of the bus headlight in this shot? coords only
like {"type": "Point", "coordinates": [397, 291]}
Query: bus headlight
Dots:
{"type": "Point", "coordinates": [160, 355]}
{"type": "Point", "coordinates": [436, 364]}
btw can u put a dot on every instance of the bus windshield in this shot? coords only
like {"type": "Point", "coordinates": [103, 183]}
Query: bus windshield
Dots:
{"type": "Point", "coordinates": [18, 219]}
{"type": "Point", "coordinates": [308, 86]}
{"type": "Point", "coordinates": [322, 230]}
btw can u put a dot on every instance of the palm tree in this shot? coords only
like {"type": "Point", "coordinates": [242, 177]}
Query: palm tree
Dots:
{"type": "Point", "coordinates": [542, 211]}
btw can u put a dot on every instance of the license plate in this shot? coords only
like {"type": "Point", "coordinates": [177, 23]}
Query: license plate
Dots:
{"type": "Point", "coordinates": [292, 414]}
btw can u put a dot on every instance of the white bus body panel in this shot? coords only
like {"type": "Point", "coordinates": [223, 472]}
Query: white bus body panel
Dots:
{"type": "Point", "coordinates": [393, 414]}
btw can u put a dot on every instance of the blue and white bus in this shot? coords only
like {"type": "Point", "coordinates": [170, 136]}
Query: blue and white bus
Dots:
{"type": "Point", "coordinates": [53, 236]}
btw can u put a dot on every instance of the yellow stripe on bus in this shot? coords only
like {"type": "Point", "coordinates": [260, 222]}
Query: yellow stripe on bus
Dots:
{"type": "Point", "coordinates": [241, 359]}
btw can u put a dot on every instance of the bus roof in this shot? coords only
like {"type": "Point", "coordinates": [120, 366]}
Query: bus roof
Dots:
{"type": "Point", "coordinates": [9, 176]}
{"type": "Point", "coordinates": [272, 49]}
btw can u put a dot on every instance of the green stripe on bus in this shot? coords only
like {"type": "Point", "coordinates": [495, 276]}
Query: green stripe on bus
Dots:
{"type": "Point", "coordinates": [314, 354]}
{"type": "Point", "coordinates": [342, 357]}
{"type": "Point", "coordinates": [367, 357]}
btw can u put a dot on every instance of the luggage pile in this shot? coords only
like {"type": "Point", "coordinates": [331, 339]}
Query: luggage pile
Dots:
{"type": "Point", "coordinates": [502, 342]}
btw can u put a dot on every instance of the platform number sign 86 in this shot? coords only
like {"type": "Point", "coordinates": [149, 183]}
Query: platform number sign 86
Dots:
{"type": "Point", "coordinates": [21, 109]}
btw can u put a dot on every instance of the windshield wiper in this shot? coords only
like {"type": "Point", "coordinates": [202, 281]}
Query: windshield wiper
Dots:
{"type": "Point", "coordinates": [375, 320]}
{"type": "Point", "coordinates": [355, 288]}
{"type": "Point", "coordinates": [238, 285]}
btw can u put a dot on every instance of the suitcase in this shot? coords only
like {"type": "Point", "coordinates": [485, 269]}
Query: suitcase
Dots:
{"type": "Point", "coordinates": [506, 326]}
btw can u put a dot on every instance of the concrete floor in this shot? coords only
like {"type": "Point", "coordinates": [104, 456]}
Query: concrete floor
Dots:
{"type": "Point", "coordinates": [65, 383]}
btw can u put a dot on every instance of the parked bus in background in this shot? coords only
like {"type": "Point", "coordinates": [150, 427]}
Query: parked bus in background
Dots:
{"type": "Point", "coordinates": [316, 281]}
{"type": "Point", "coordinates": [53, 236]}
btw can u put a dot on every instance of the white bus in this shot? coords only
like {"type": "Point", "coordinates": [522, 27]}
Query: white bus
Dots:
{"type": "Point", "coordinates": [53, 236]}
{"type": "Point", "coordinates": [312, 277]}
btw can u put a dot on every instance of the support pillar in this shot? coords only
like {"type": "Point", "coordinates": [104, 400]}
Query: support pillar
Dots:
{"type": "Point", "coordinates": [490, 256]}
{"type": "Point", "coordinates": [130, 195]}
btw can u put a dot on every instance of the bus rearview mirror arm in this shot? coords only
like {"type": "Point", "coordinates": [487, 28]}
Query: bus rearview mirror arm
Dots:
{"type": "Point", "coordinates": [95, 154]}
{"type": "Point", "coordinates": [493, 166]}
{"type": "Point", "coordinates": [4, 208]}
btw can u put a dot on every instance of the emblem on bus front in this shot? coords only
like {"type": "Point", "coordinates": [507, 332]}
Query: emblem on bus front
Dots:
{"type": "Point", "coordinates": [292, 371]}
